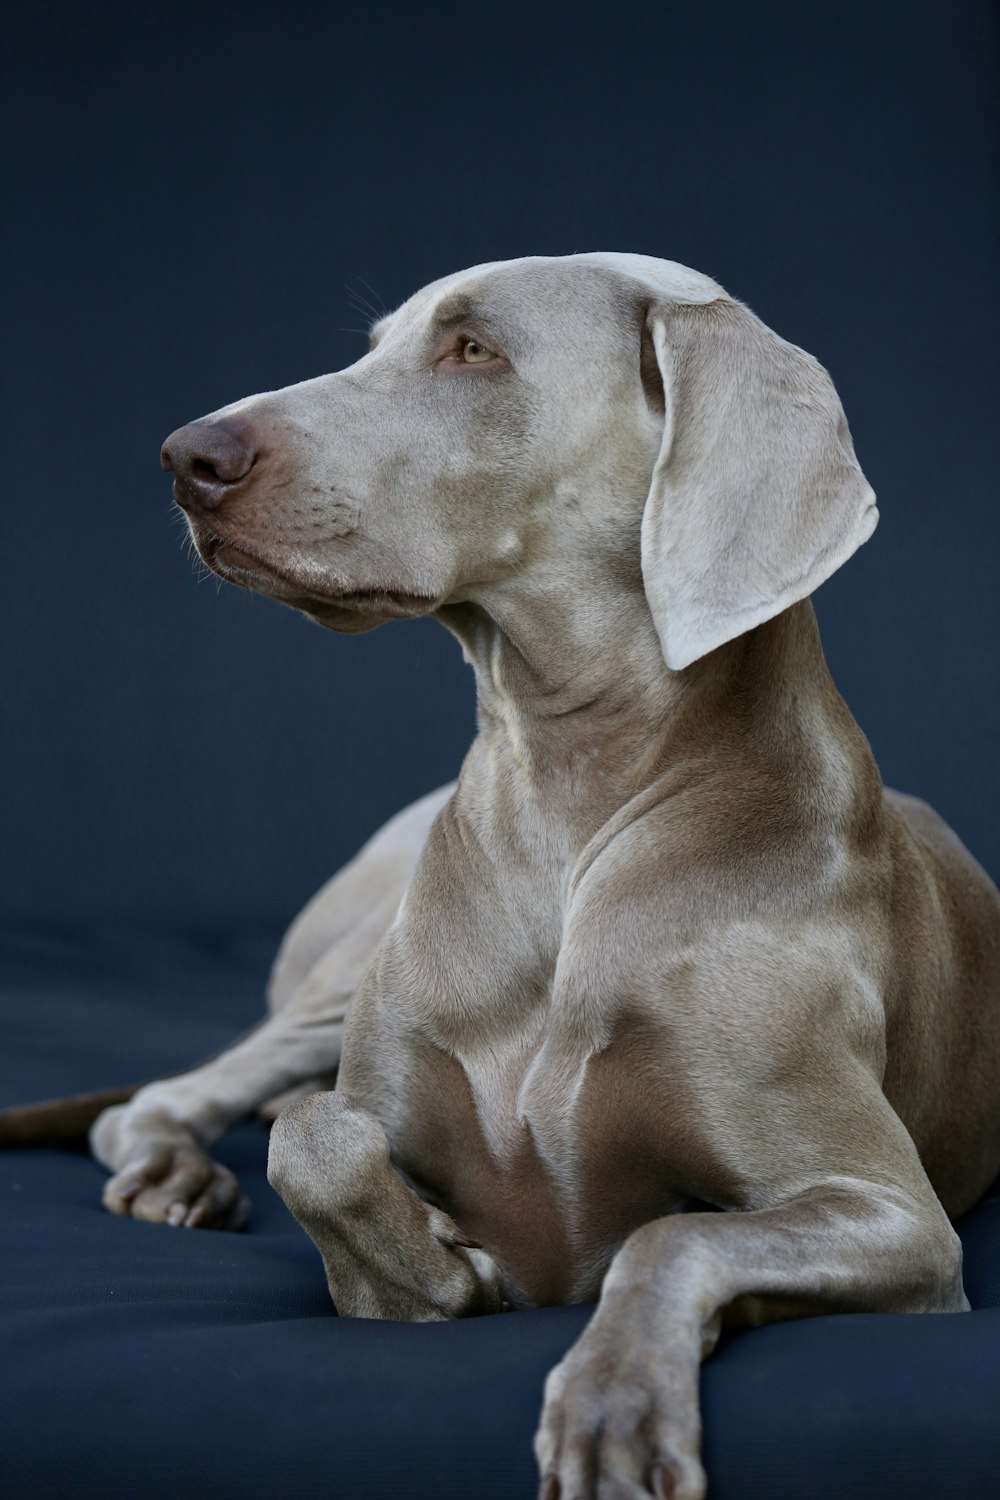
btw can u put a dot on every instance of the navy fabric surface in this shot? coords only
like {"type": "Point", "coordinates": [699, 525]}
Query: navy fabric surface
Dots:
{"type": "Point", "coordinates": [140, 1360]}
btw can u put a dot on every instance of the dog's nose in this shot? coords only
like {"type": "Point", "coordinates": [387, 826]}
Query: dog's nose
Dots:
{"type": "Point", "coordinates": [209, 459]}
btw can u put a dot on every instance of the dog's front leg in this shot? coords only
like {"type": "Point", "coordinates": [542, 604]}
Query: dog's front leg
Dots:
{"type": "Point", "coordinates": [154, 1146]}
{"type": "Point", "coordinates": [387, 1254]}
{"type": "Point", "coordinates": [621, 1414]}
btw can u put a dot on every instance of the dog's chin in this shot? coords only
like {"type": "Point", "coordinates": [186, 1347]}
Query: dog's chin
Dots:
{"type": "Point", "coordinates": [351, 611]}
{"type": "Point", "coordinates": [346, 618]}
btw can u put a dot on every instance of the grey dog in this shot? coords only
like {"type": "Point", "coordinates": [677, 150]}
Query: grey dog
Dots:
{"type": "Point", "coordinates": [667, 1003]}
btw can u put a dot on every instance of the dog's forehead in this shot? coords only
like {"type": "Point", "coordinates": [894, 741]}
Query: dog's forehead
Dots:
{"type": "Point", "coordinates": [530, 279]}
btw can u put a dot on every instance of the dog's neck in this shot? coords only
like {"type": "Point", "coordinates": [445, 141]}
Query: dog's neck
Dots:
{"type": "Point", "coordinates": [554, 663]}
{"type": "Point", "coordinates": [578, 703]}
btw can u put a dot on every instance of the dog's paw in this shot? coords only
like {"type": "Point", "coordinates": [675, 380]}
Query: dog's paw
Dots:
{"type": "Point", "coordinates": [620, 1419]}
{"type": "Point", "coordinates": [175, 1182]}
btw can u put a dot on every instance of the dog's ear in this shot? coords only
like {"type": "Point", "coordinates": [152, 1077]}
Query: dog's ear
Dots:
{"type": "Point", "coordinates": [756, 495]}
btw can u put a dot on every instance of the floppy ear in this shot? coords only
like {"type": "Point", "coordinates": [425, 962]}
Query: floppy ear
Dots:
{"type": "Point", "coordinates": [756, 495]}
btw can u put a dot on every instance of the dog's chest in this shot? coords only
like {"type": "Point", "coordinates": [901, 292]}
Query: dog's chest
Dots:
{"type": "Point", "coordinates": [515, 1122]}
{"type": "Point", "coordinates": [546, 1154]}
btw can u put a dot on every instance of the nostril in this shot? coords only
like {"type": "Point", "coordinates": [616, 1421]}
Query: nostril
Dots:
{"type": "Point", "coordinates": [202, 469]}
{"type": "Point", "coordinates": [222, 458]}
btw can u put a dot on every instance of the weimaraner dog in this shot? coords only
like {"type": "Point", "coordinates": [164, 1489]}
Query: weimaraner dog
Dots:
{"type": "Point", "coordinates": [667, 947]}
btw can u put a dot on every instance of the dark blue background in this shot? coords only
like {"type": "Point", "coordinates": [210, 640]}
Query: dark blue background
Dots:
{"type": "Point", "coordinates": [198, 193]}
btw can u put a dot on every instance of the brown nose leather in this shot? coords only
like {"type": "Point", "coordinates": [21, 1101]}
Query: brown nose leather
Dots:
{"type": "Point", "coordinates": [209, 460]}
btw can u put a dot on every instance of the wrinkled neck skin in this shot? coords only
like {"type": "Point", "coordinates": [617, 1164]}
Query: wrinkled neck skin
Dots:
{"type": "Point", "coordinates": [579, 714]}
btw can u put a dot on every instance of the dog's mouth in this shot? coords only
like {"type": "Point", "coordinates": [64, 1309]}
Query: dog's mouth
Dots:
{"type": "Point", "coordinates": [235, 563]}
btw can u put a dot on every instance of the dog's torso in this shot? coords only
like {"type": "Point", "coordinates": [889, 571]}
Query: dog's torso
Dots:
{"type": "Point", "coordinates": [557, 1055]}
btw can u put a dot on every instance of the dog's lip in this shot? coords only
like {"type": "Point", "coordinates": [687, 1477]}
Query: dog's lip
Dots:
{"type": "Point", "coordinates": [236, 563]}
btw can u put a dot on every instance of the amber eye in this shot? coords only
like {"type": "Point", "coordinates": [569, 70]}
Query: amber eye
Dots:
{"type": "Point", "coordinates": [474, 353]}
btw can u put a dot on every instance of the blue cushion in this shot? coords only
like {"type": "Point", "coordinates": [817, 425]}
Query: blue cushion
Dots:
{"type": "Point", "coordinates": [140, 1360]}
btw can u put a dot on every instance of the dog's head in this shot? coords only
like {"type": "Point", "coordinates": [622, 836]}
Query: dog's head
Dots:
{"type": "Point", "coordinates": [521, 418]}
